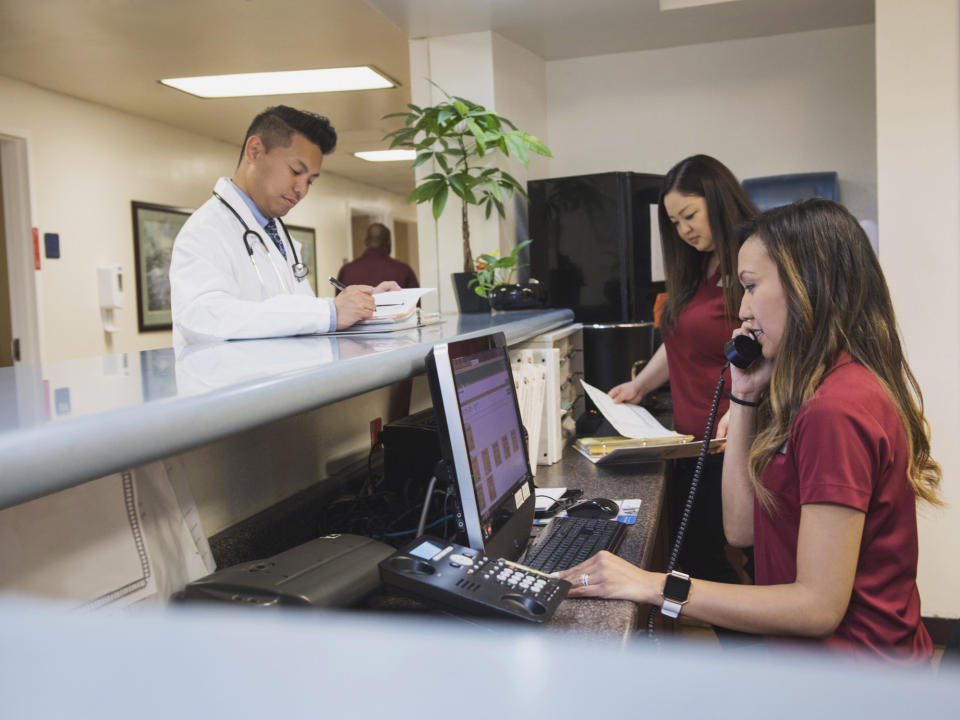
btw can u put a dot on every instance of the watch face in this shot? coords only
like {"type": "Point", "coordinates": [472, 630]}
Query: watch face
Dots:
{"type": "Point", "coordinates": [676, 589]}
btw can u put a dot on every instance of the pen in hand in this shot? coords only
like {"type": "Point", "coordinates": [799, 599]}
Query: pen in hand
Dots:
{"type": "Point", "coordinates": [336, 283]}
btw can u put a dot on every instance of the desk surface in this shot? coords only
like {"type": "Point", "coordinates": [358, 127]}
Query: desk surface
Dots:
{"type": "Point", "coordinates": [64, 423]}
{"type": "Point", "coordinates": [610, 619]}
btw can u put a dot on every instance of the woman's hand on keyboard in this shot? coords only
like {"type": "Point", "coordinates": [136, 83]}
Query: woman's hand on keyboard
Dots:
{"type": "Point", "coordinates": [612, 577]}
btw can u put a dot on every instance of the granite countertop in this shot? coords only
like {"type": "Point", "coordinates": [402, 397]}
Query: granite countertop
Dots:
{"type": "Point", "coordinates": [609, 619]}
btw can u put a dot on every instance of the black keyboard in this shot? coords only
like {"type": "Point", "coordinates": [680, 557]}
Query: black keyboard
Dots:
{"type": "Point", "coordinates": [568, 541]}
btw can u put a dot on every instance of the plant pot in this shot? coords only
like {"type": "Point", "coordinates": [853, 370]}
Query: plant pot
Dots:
{"type": "Point", "coordinates": [517, 296]}
{"type": "Point", "coordinates": [467, 300]}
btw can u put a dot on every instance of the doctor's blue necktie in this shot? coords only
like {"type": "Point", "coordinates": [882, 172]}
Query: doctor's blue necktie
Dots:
{"type": "Point", "coordinates": [271, 228]}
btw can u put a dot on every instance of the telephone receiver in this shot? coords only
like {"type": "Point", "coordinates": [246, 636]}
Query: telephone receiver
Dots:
{"type": "Point", "coordinates": [742, 350]}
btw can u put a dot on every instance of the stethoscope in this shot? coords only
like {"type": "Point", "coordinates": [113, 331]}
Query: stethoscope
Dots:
{"type": "Point", "coordinates": [300, 271]}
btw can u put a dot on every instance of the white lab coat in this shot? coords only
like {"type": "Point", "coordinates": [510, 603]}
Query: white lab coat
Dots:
{"type": "Point", "coordinates": [215, 292]}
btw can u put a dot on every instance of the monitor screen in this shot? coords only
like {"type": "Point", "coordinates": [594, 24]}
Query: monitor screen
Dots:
{"type": "Point", "coordinates": [482, 439]}
{"type": "Point", "coordinates": [491, 428]}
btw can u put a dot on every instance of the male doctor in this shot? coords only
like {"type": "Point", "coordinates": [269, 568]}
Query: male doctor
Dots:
{"type": "Point", "coordinates": [235, 272]}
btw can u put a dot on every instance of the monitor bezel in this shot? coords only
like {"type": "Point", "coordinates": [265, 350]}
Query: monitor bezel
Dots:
{"type": "Point", "coordinates": [509, 540]}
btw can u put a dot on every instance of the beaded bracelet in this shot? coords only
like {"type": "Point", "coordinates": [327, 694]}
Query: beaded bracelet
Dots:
{"type": "Point", "coordinates": [745, 403]}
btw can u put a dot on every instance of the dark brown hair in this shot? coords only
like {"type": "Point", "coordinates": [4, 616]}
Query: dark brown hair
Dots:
{"type": "Point", "coordinates": [837, 300]}
{"type": "Point", "coordinates": [728, 206]}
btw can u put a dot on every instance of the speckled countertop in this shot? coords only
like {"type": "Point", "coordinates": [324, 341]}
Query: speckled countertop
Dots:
{"type": "Point", "coordinates": [609, 619]}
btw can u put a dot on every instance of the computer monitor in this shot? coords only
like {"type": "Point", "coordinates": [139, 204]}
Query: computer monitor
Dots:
{"type": "Point", "coordinates": [482, 439]}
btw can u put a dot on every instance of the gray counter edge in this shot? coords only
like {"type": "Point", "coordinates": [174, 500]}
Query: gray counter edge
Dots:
{"type": "Point", "coordinates": [46, 459]}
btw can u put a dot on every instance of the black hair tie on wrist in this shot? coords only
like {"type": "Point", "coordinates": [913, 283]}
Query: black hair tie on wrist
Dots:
{"type": "Point", "coordinates": [745, 403]}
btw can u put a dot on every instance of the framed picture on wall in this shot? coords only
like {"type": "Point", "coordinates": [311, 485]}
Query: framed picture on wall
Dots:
{"type": "Point", "coordinates": [307, 238]}
{"type": "Point", "coordinates": [154, 229]}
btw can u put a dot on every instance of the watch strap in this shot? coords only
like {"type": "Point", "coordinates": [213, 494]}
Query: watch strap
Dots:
{"type": "Point", "coordinates": [672, 605]}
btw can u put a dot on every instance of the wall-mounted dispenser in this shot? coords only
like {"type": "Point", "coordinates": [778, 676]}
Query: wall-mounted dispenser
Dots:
{"type": "Point", "coordinates": [110, 285]}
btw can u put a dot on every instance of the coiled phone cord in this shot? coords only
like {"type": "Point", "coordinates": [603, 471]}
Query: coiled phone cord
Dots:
{"type": "Point", "coordinates": [691, 496]}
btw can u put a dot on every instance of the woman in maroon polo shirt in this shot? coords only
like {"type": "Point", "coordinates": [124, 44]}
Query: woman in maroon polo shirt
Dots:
{"type": "Point", "coordinates": [701, 206]}
{"type": "Point", "coordinates": [827, 452]}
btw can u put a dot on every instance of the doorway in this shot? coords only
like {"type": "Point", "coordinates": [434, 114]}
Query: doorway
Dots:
{"type": "Point", "coordinates": [405, 247]}
{"type": "Point", "coordinates": [6, 324]}
{"type": "Point", "coordinates": [18, 292]}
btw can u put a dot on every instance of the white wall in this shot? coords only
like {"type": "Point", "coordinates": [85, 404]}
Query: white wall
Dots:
{"type": "Point", "coordinates": [918, 162]}
{"type": "Point", "coordinates": [790, 103]}
{"type": "Point", "coordinates": [89, 162]}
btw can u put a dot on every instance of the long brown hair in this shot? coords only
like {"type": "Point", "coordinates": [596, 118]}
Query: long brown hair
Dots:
{"type": "Point", "coordinates": [728, 206]}
{"type": "Point", "coordinates": [837, 299]}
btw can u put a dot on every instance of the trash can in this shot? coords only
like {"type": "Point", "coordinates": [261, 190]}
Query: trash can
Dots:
{"type": "Point", "coordinates": [614, 353]}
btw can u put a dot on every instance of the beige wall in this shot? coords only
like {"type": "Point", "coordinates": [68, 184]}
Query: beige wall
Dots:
{"type": "Point", "coordinates": [918, 163]}
{"type": "Point", "coordinates": [89, 162]}
{"type": "Point", "coordinates": [792, 103]}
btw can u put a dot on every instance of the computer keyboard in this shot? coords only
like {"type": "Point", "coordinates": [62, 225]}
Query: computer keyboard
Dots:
{"type": "Point", "coordinates": [568, 541]}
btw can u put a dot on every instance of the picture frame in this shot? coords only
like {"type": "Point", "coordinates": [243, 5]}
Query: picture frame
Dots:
{"type": "Point", "coordinates": [155, 227]}
{"type": "Point", "coordinates": [307, 237]}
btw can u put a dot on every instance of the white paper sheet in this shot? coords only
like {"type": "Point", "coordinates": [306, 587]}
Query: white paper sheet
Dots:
{"type": "Point", "coordinates": [396, 305]}
{"type": "Point", "coordinates": [631, 421]}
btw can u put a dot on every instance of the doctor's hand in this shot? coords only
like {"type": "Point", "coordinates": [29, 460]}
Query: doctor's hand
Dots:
{"type": "Point", "coordinates": [354, 304]}
{"type": "Point", "coordinates": [386, 286]}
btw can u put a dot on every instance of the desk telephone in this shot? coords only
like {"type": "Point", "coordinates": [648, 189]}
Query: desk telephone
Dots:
{"type": "Point", "coordinates": [464, 579]}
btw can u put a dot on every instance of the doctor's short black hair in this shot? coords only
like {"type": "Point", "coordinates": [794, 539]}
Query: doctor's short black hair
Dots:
{"type": "Point", "coordinates": [275, 127]}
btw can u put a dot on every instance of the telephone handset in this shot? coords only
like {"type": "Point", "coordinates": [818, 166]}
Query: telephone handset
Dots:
{"type": "Point", "coordinates": [742, 350]}
{"type": "Point", "coordinates": [465, 579]}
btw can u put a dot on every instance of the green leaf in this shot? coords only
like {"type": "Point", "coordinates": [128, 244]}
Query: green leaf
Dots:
{"type": "Point", "coordinates": [461, 107]}
{"type": "Point", "coordinates": [416, 109]}
{"type": "Point", "coordinates": [518, 148]}
{"type": "Point", "coordinates": [443, 162]}
{"type": "Point", "coordinates": [535, 144]}
{"type": "Point", "coordinates": [439, 202]}
{"type": "Point", "coordinates": [421, 159]}
{"type": "Point", "coordinates": [478, 135]}
{"type": "Point", "coordinates": [396, 114]}
{"type": "Point", "coordinates": [425, 191]}
{"type": "Point", "coordinates": [494, 189]}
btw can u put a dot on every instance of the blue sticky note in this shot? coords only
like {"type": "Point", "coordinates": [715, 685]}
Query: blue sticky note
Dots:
{"type": "Point", "coordinates": [51, 242]}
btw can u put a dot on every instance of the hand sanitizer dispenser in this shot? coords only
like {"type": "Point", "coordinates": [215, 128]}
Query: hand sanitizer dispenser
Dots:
{"type": "Point", "coordinates": [110, 285]}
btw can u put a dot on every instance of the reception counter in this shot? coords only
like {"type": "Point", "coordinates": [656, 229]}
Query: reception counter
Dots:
{"type": "Point", "coordinates": [65, 423]}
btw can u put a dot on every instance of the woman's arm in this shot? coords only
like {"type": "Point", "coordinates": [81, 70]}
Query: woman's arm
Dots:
{"type": "Point", "coordinates": [813, 606]}
{"type": "Point", "coordinates": [653, 375]}
{"type": "Point", "coordinates": [736, 489]}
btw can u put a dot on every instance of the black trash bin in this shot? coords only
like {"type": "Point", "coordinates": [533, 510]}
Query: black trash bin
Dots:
{"type": "Point", "coordinates": [614, 353]}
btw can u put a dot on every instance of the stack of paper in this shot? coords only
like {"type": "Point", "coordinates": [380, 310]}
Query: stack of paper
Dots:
{"type": "Point", "coordinates": [642, 436]}
{"type": "Point", "coordinates": [396, 305]}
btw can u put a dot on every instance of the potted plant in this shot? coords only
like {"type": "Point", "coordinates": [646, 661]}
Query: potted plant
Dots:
{"type": "Point", "coordinates": [493, 277]}
{"type": "Point", "coordinates": [464, 138]}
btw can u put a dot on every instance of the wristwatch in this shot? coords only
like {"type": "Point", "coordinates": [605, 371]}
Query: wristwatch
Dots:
{"type": "Point", "coordinates": [676, 592]}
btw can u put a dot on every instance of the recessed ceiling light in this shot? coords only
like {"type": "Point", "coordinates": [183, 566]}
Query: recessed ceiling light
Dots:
{"type": "Point", "coordinates": [282, 83]}
{"type": "Point", "coordinates": [386, 155]}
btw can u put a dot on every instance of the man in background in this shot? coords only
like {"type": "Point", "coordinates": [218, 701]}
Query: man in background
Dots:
{"type": "Point", "coordinates": [376, 265]}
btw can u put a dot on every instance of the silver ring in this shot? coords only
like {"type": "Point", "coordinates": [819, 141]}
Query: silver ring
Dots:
{"type": "Point", "coordinates": [585, 579]}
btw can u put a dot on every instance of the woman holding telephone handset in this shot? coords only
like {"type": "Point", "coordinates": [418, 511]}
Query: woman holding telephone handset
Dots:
{"type": "Point", "coordinates": [701, 205]}
{"type": "Point", "coordinates": [827, 452]}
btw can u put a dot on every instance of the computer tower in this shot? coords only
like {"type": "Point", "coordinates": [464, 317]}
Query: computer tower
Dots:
{"type": "Point", "coordinates": [411, 449]}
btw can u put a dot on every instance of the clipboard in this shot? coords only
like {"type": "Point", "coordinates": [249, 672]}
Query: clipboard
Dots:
{"type": "Point", "coordinates": [618, 449]}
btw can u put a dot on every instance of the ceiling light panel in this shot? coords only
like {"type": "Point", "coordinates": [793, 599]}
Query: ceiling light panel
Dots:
{"type": "Point", "coordinates": [386, 155]}
{"type": "Point", "coordinates": [282, 83]}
